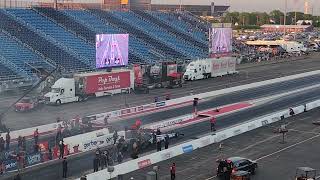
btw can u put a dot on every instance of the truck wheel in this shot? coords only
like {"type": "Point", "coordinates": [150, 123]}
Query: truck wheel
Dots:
{"type": "Point", "coordinates": [58, 102]}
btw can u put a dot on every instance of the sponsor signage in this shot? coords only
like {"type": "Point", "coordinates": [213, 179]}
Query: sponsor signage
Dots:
{"type": "Point", "coordinates": [107, 82]}
{"type": "Point", "coordinates": [264, 122]}
{"type": "Point", "coordinates": [33, 159]}
{"type": "Point", "coordinates": [100, 141]}
{"type": "Point", "coordinates": [132, 110]}
{"type": "Point", "coordinates": [160, 104]}
{"type": "Point", "coordinates": [144, 163]}
{"type": "Point", "coordinates": [10, 165]}
{"type": "Point", "coordinates": [236, 132]}
{"type": "Point", "coordinates": [187, 149]}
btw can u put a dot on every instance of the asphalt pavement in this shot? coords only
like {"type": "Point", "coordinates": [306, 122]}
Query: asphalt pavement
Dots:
{"type": "Point", "coordinates": [249, 94]}
{"type": "Point", "coordinates": [248, 73]}
{"type": "Point", "coordinates": [78, 165]}
{"type": "Point", "coordinates": [276, 160]}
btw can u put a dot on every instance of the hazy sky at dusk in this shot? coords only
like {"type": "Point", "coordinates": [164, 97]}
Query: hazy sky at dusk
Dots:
{"type": "Point", "coordinates": [254, 5]}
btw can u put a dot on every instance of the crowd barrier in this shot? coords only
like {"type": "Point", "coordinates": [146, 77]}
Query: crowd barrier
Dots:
{"type": "Point", "coordinates": [158, 106]}
{"type": "Point", "coordinates": [188, 147]}
{"type": "Point", "coordinates": [73, 145]}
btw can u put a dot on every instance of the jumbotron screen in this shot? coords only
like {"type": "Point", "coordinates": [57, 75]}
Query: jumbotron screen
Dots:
{"type": "Point", "coordinates": [112, 50]}
{"type": "Point", "coordinates": [220, 41]}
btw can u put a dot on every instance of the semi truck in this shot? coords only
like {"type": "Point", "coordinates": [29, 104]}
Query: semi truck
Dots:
{"type": "Point", "coordinates": [94, 84]}
{"type": "Point", "coordinates": [164, 75]}
{"type": "Point", "coordinates": [212, 67]}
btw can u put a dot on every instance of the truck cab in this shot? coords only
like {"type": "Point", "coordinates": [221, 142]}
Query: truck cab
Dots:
{"type": "Point", "coordinates": [63, 91]}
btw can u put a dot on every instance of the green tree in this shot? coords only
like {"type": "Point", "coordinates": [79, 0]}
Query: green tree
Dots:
{"type": "Point", "coordinates": [277, 16]}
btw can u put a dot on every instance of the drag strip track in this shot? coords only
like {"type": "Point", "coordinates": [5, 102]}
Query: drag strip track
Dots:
{"type": "Point", "coordinates": [249, 94]}
{"type": "Point", "coordinates": [81, 164]}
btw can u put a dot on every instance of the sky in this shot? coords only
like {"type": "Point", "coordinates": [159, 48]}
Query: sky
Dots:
{"type": "Point", "coordinates": [254, 5]}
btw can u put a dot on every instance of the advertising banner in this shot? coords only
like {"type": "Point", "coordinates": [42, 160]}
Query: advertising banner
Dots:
{"type": "Point", "coordinates": [160, 104]}
{"type": "Point", "coordinates": [10, 165]}
{"type": "Point", "coordinates": [144, 163]}
{"type": "Point", "coordinates": [138, 76]}
{"type": "Point", "coordinates": [187, 149]}
{"type": "Point", "coordinates": [107, 82]}
{"type": "Point", "coordinates": [101, 141]}
{"type": "Point", "coordinates": [33, 159]}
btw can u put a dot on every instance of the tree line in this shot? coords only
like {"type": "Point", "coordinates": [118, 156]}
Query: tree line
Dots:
{"type": "Point", "coordinates": [274, 17]}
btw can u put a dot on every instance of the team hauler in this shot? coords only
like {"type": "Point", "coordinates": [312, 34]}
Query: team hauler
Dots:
{"type": "Point", "coordinates": [213, 67]}
{"type": "Point", "coordinates": [94, 84]}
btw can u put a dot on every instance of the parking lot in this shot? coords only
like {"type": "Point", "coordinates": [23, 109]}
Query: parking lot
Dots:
{"type": "Point", "coordinates": [276, 160]}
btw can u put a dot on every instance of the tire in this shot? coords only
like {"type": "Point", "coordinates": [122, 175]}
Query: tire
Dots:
{"type": "Point", "coordinates": [58, 102]}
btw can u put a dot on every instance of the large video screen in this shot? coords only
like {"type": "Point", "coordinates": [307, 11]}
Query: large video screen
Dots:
{"type": "Point", "coordinates": [220, 41]}
{"type": "Point", "coordinates": [112, 50]}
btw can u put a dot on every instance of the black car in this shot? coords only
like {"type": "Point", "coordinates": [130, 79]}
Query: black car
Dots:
{"type": "Point", "coordinates": [237, 164]}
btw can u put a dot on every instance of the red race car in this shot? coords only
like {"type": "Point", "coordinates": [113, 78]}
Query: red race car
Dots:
{"type": "Point", "coordinates": [26, 104]}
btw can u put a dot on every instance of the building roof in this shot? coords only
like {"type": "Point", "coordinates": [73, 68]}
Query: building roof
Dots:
{"type": "Point", "coordinates": [287, 26]}
{"type": "Point", "coordinates": [269, 43]}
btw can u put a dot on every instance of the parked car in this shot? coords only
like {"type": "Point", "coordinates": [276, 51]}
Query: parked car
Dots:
{"type": "Point", "coordinates": [26, 104]}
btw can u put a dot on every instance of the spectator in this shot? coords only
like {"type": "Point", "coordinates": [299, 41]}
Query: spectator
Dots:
{"type": "Point", "coordinates": [24, 143]}
{"type": "Point", "coordinates": [166, 141]}
{"type": "Point", "coordinates": [95, 164]}
{"type": "Point", "coordinates": [2, 167]}
{"type": "Point", "coordinates": [106, 123]}
{"type": "Point", "coordinates": [36, 148]}
{"type": "Point", "coordinates": [19, 142]}
{"type": "Point", "coordinates": [36, 136]}
{"type": "Point", "coordinates": [213, 122]}
{"type": "Point", "coordinates": [115, 137]}
{"type": "Point", "coordinates": [50, 154]}
{"type": "Point", "coordinates": [173, 171]}
{"type": "Point", "coordinates": [159, 144]}
{"type": "Point", "coordinates": [8, 138]}
{"type": "Point", "coordinates": [120, 157]}
{"type": "Point", "coordinates": [158, 132]}
{"type": "Point", "coordinates": [2, 142]}
{"type": "Point", "coordinates": [64, 168]}
{"type": "Point", "coordinates": [61, 148]}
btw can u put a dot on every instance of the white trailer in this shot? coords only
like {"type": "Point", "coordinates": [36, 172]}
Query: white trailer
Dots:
{"type": "Point", "coordinates": [213, 67]}
{"type": "Point", "coordinates": [96, 84]}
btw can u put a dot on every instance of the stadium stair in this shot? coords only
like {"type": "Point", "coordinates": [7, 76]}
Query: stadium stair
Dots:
{"type": "Point", "coordinates": [194, 21]}
{"type": "Point", "coordinates": [17, 68]}
{"type": "Point", "coordinates": [39, 42]}
{"type": "Point", "coordinates": [188, 50]}
{"type": "Point", "coordinates": [184, 36]}
{"type": "Point", "coordinates": [120, 23]}
{"type": "Point", "coordinates": [6, 73]}
{"type": "Point", "coordinates": [90, 26]}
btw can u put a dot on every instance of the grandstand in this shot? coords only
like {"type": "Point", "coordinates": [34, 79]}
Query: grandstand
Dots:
{"type": "Point", "coordinates": [36, 40]}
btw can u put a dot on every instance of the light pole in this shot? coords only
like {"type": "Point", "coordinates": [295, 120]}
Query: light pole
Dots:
{"type": "Point", "coordinates": [285, 16]}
